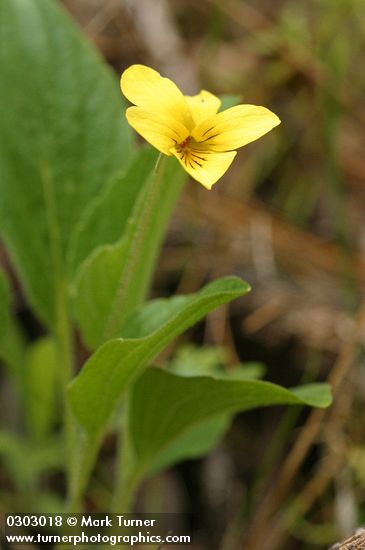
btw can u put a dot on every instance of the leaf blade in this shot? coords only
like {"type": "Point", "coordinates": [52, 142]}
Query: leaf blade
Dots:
{"type": "Point", "coordinates": [73, 139]}
{"type": "Point", "coordinates": [115, 279]}
{"type": "Point", "coordinates": [105, 219]}
{"type": "Point", "coordinates": [165, 407]}
{"type": "Point", "coordinates": [106, 375]}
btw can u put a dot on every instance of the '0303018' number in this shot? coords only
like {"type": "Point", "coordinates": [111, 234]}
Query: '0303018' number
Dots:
{"type": "Point", "coordinates": [33, 521]}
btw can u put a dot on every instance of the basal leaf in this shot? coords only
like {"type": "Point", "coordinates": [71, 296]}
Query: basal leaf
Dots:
{"type": "Point", "coordinates": [95, 290]}
{"type": "Point", "coordinates": [63, 135]}
{"type": "Point", "coordinates": [193, 360]}
{"type": "Point", "coordinates": [115, 278]}
{"type": "Point", "coordinates": [107, 374]}
{"type": "Point", "coordinates": [190, 360]}
{"type": "Point", "coordinates": [245, 371]}
{"type": "Point", "coordinates": [105, 219]}
{"type": "Point", "coordinates": [25, 462]}
{"type": "Point", "coordinates": [41, 388]}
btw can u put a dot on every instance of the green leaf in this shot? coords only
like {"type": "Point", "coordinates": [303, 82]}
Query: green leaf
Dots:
{"type": "Point", "coordinates": [107, 374]}
{"type": "Point", "coordinates": [199, 440]}
{"type": "Point", "coordinates": [95, 290]}
{"type": "Point", "coordinates": [25, 463]}
{"type": "Point", "coordinates": [115, 279]}
{"type": "Point", "coordinates": [41, 388]}
{"type": "Point", "coordinates": [245, 371]}
{"type": "Point", "coordinates": [106, 217]}
{"type": "Point", "coordinates": [190, 360]}
{"type": "Point", "coordinates": [12, 457]}
{"type": "Point", "coordinates": [167, 412]}
{"type": "Point", "coordinates": [11, 339]}
{"type": "Point", "coordinates": [63, 136]}
{"type": "Point", "coordinates": [195, 442]}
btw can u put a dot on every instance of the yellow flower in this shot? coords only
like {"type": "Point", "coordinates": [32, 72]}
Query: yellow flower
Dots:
{"type": "Point", "coordinates": [190, 127]}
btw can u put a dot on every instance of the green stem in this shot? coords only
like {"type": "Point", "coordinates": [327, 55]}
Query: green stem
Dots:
{"type": "Point", "coordinates": [127, 478]}
{"type": "Point", "coordinates": [84, 453]}
{"type": "Point", "coordinates": [148, 204]}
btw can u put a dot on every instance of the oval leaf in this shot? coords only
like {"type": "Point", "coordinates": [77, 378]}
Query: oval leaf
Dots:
{"type": "Point", "coordinates": [63, 135]}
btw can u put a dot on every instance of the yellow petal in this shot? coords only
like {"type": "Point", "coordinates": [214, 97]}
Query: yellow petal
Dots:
{"type": "Point", "coordinates": [159, 130]}
{"type": "Point", "coordinates": [235, 127]}
{"type": "Point", "coordinates": [147, 89]}
{"type": "Point", "coordinates": [203, 105]}
{"type": "Point", "coordinates": [205, 167]}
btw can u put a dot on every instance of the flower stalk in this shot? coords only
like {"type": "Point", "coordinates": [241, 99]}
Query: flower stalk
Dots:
{"type": "Point", "coordinates": [127, 482]}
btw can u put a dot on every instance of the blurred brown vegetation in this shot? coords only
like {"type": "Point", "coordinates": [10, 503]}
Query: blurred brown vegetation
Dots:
{"type": "Point", "coordinates": [288, 217]}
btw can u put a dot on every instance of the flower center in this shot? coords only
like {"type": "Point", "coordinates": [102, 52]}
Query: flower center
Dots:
{"type": "Point", "coordinates": [190, 153]}
{"type": "Point", "coordinates": [184, 146]}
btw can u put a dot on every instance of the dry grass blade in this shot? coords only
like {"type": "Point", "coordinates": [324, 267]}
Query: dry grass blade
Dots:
{"type": "Point", "coordinates": [257, 534]}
